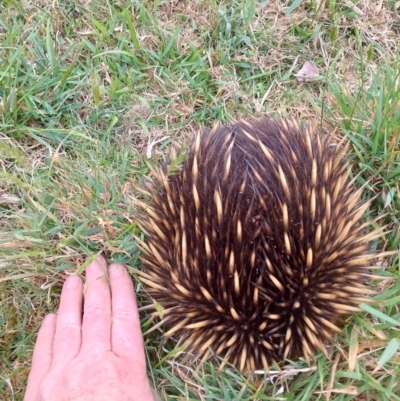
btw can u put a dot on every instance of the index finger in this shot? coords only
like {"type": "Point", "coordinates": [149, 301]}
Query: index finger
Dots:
{"type": "Point", "coordinates": [126, 335]}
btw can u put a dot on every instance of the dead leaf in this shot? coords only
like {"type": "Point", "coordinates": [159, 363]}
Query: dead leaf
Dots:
{"type": "Point", "coordinates": [183, 108]}
{"type": "Point", "coordinates": [308, 71]}
{"type": "Point", "coordinates": [346, 390]}
{"type": "Point", "coordinates": [333, 373]}
{"type": "Point", "coordinates": [370, 345]}
{"type": "Point", "coordinates": [8, 381]}
{"type": "Point", "coordinates": [353, 348]}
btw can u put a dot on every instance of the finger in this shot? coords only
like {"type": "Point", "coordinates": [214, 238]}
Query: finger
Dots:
{"type": "Point", "coordinates": [127, 339]}
{"type": "Point", "coordinates": [67, 339]}
{"type": "Point", "coordinates": [96, 327]}
{"type": "Point", "coordinates": [42, 356]}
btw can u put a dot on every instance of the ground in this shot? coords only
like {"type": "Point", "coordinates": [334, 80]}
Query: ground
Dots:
{"type": "Point", "coordinates": [94, 92]}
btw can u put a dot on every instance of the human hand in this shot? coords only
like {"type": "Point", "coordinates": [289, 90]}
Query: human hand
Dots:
{"type": "Point", "coordinates": [99, 356]}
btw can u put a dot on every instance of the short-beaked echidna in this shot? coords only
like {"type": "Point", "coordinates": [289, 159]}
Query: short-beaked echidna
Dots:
{"type": "Point", "coordinates": [254, 246]}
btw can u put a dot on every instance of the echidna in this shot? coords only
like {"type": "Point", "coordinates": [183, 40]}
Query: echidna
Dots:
{"type": "Point", "coordinates": [254, 246]}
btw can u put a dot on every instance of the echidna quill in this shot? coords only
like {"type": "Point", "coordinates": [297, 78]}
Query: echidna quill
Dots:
{"type": "Point", "coordinates": [254, 246]}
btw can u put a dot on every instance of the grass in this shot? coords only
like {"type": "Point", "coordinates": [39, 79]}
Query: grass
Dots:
{"type": "Point", "coordinates": [92, 92]}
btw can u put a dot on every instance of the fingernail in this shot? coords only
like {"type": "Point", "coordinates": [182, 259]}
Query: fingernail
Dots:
{"type": "Point", "coordinates": [116, 270]}
{"type": "Point", "coordinates": [97, 264]}
{"type": "Point", "coordinates": [49, 319]}
{"type": "Point", "coordinates": [101, 259]}
{"type": "Point", "coordinates": [72, 282]}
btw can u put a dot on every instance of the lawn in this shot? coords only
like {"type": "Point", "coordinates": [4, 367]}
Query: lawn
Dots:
{"type": "Point", "coordinates": [93, 93]}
